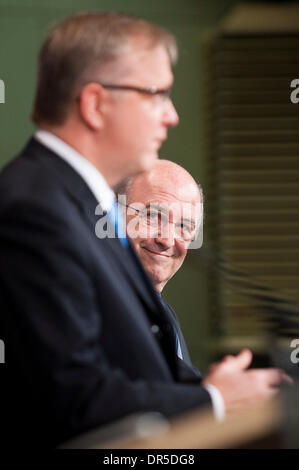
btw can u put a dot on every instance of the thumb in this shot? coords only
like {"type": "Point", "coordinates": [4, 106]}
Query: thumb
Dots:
{"type": "Point", "coordinates": [243, 359]}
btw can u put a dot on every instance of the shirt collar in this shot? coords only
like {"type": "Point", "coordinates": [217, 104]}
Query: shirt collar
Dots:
{"type": "Point", "coordinates": [90, 174]}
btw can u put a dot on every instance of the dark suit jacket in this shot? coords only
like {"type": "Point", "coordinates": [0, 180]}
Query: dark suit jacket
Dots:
{"type": "Point", "coordinates": [177, 329]}
{"type": "Point", "coordinates": [76, 313]}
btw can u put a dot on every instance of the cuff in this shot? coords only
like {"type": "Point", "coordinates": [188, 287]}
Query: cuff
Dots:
{"type": "Point", "coordinates": [217, 402]}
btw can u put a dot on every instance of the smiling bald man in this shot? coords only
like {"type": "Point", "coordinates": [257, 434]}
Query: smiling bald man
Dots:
{"type": "Point", "coordinates": [168, 221]}
{"type": "Point", "coordinates": [164, 211]}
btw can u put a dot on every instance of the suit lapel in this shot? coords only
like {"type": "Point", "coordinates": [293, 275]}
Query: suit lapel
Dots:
{"type": "Point", "coordinates": [186, 371]}
{"type": "Point", "coordinates": [133, 272]}
{"type": "Point", "coordinates": [176, 325]}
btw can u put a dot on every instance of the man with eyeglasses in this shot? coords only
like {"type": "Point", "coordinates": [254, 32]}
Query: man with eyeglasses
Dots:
{"type": "Point", "coordinates": [164, 212]}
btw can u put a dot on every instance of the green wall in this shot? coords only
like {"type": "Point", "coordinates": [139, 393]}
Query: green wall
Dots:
{"type": "Point", "coordinates": [23, 25]}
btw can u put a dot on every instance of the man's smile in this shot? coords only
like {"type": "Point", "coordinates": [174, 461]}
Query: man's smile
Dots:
{"type": "Point", "coordinates": [157, 253]}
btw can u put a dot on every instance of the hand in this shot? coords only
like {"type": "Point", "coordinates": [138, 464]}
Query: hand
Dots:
{"type": "Point", "coordinates": [240, 387]}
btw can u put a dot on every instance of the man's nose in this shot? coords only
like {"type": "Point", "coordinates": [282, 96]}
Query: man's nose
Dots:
{"type": "Point", "coordinates": [170, 116]}
{"type": "Point", "coordinates": [166, 236]}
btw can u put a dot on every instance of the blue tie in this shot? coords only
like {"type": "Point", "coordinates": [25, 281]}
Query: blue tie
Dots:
{"type": "Point", "coordinates": [178, 346]}
{"type": "Point", "coordinates": [117, 220]}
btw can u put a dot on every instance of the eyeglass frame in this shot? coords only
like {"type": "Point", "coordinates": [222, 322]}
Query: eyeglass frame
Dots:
{"type": "Point", "coordinates": [141, 212]}
{"type": "Point", "coordinates": [151, 91]}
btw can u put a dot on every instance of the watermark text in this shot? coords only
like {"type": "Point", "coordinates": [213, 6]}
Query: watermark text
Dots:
{"type": "Point", "coordinates": [295, 93]}
{"type": "Point", "coordinates": [159, 220]}
{"type": "Point", "coordinates": [295, 353]}
{"type": "Point", "coordinates": [2, 352]}
{"type": "Point", "coordinates": [2, 92]}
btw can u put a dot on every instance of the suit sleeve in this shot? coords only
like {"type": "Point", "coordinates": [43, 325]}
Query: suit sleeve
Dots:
{"type": "Point", "coordinates": [58, 372]}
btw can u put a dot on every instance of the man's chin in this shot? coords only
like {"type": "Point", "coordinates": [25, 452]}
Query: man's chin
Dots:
{"type": "Point", "coordinates": [148, 161]}
{"type": "Point", "coordinates": [155, 275]}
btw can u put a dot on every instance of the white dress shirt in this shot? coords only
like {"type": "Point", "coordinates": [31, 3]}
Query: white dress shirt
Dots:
{"type": "Point", "coordinates": [90, 174]}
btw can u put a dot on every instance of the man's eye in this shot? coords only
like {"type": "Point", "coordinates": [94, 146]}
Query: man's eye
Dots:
{"type": "Point", "coordinates": [187, 230]}
{"type": "Point", "coordinates": [153, 216]}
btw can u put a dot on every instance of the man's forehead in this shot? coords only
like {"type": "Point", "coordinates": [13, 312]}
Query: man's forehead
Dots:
{"type": "Point", "coordinates": [172, 206]}
{"type": "Point", "coordinates": [143, 63]}
{"type": "Point", "coordinates": [140, 62]}
{"type": "Point", "coordinates": [180, 205]}
{"type": "Point", "coordinates": [164, 191]}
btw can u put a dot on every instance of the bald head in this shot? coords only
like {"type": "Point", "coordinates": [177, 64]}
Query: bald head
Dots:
{"type": "Point", "coordinates": [172, 211]}
{"type": "Point", "coordinates": [166, 178]}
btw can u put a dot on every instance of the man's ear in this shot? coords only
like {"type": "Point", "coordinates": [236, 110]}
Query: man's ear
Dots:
{"type": "Point", "coordinates": [91, 105]}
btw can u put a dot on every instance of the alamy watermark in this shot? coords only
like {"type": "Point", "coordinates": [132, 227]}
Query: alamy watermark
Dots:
{"type": "Point", "coordinates": [2, 352]}
{"type": "Point", "coordinates": [181, 221]}
{"type": "Point", "coordinates": [2, 91]}
{"type": "Point", "coordinates": [295, 93]}
{"type": "Point", "coordinates": [295, 354]}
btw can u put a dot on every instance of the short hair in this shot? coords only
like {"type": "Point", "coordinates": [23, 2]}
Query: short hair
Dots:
{"type": "Point", "coordinates": [77, 48]}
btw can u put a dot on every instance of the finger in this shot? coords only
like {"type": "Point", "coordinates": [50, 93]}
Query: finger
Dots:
{"type": "Point", "coordinates": [287, 379]}
{"type": "Point", "coordinates": [243, 359]}
{"type": "Point", "coordinates": [276, 377]}
{"type": "Point", "coordinates": [229, 357]}
{"type": "Point", "coordinates": [236, 363]}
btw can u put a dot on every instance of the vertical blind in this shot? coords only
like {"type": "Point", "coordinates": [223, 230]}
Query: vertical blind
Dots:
{"type": "Point", "coordinates": [252, 210]}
